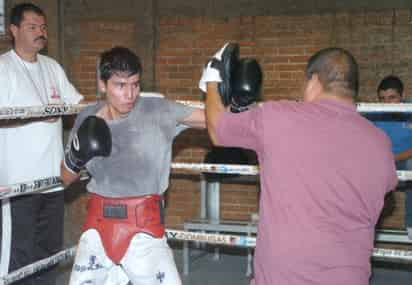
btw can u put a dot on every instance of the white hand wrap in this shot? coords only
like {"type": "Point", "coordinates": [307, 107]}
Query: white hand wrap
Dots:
{"type": "Point", "coordinates": [210, 74]}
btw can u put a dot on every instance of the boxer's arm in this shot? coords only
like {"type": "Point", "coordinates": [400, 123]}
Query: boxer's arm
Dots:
{"type": "Point", "coordinates": [196, 119]}
{"type": "Point", "coordinates": [92, 138]}
{"type": "Point", "coordinates": [67, 176]}
{"type": "Point", "coordinates": [214, 108]}
{"type": "Point", "coordinates": [404, 155]}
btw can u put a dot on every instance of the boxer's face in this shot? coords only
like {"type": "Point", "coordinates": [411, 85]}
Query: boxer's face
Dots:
{"type": "Point", "coordinates": [31, 34]}
{"type": "Point", "coordinates": [389, 96]}
{"type": "Point", "coordinates": [122, 92]}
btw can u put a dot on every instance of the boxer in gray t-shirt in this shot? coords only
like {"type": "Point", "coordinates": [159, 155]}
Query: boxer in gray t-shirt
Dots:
{"type": "Point", "coordinates": [139, 163]}
{"type": "Point", "coordinates": [124, 231]}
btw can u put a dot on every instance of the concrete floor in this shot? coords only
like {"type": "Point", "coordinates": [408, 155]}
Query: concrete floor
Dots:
{"type": "Point", "coordinates": [230, 269]}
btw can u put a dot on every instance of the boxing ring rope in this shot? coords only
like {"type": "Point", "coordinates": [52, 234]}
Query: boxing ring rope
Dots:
{"type": "Point", "coordinates": [37, 266]}
{"type": "Point", "coordinates": [40, 185]}
{"type": "Point", "coordinates": [9, 113]}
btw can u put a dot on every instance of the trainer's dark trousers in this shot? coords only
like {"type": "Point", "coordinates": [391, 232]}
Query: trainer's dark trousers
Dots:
{"type": "Point", "coordinates": [37, 232]}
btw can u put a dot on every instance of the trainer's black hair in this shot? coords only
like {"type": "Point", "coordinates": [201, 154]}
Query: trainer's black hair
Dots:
{"type": "Point", "coordinates": [337, 70]}
{"type": "Point", "coordinates": [17, 12]}
{"type": "Point", "coordinates": [391, 82]}
{"type": "Point", "coordinates": [119, 60]}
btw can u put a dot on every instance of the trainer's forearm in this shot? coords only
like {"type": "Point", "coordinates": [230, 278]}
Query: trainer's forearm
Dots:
{"type": "Point", "coordinates": [214, 109]}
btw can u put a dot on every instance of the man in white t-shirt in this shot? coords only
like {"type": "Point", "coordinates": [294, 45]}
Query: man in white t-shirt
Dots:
{"type": "Point", "coordinates": [31, 149]}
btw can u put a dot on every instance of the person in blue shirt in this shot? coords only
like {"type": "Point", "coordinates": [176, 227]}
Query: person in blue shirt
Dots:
{"type": "Point", "coordinates": [399, 128]}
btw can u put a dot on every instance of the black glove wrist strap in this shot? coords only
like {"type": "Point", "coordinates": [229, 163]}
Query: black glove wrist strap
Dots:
{"type": "Point", "coordinates": [72, 162]}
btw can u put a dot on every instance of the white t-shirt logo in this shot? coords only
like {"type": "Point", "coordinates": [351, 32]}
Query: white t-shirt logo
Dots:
{"type": "Point", "coordinates": [54, 93]}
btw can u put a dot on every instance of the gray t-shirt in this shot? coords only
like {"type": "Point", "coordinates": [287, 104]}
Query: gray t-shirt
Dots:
{"type": "Point", "coordinates": [139, 163]}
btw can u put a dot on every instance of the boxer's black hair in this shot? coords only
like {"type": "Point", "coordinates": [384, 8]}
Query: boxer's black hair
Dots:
{"type": "Point", "coordinates": [391, 82]}
{"type": "Point", "coordinates": [337, 70]}
{"type": "Point", "coordinates": [119, 60]}
{"type": "Point", "coordinates": [17, 12]}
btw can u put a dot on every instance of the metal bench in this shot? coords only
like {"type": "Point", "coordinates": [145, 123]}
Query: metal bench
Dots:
{"type": "Point", "coordinates": [222, 226]}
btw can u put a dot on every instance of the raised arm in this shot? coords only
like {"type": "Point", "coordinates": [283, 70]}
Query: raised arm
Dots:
{"type": "Point", "coordinates": [214, 109]}
{"type": "Point", "coordinates": [229, 82]}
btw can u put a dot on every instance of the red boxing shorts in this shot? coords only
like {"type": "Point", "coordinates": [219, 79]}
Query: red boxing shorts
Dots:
{"type": "Point", "coordinates": [118, 219]}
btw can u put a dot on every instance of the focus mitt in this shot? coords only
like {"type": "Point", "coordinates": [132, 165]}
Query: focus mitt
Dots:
{"type": "Point", "coordinates": [245, 85]}
{"type": "Point", "coordinates": [220, 69]}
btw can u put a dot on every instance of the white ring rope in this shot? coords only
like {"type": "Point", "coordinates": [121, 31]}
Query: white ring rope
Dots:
{"type": "Point", "coordinates": [219, 239]}
{"type": "Point", "coordinates": [34, 186]}
{"type": "Point", "coordinates": [8, 113]}
{"type": "Point", "coordinates": [37, 266]}
{"type": "Point", "coordinates": [404, 175]}
{"type": "Point", "coordinates": [29, 187]}
{"type": "Point", "coordinates": [384, 107]}
{"type": "Point", "coordinates": [361, 107]}
{"type": "Point", "coordinates": [392, 254]}
{"type": "Point", "coordinates": [218, 168]}
{"type": "Point", "coordinates": [41, 185]}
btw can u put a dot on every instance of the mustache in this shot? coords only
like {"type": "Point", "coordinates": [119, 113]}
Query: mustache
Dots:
{"type": "Point", "coordinates": [41, 38]}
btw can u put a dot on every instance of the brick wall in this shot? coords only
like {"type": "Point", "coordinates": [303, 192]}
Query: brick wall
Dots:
{"type": "Point", "coordinates": [380, 41]}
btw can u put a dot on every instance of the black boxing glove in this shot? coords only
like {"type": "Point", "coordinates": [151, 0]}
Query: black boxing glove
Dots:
{"type": "Point", "coordinates": [246, 85]}
{"type": "Point", "coordinates": [93, 138]}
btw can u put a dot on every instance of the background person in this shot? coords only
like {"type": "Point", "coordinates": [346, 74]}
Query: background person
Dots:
{"type": "Point", "coordinates": [399, 129]}
{"type": "Point", "coordinates": [31, 149]}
